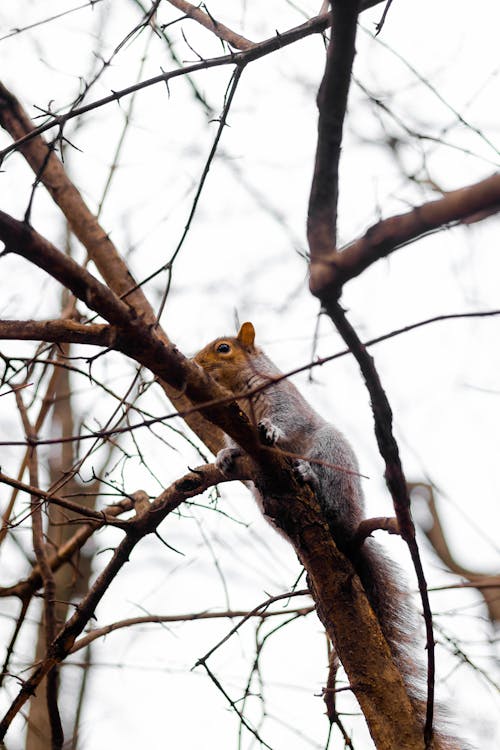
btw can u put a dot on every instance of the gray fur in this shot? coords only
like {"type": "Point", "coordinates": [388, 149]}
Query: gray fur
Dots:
{"type": "Point", "coordinates": [285, 419]}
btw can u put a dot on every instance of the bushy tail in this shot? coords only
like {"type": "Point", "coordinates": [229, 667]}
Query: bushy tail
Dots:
{"type": "Point", "coordinates": [388, 594]}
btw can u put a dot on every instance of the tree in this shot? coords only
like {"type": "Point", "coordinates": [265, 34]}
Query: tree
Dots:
{"type": "Point", "coordinates": [125, 258]}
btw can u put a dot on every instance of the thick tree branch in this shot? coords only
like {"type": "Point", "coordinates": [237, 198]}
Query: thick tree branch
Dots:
{"type": "Point", "coordinates": [58, 331]}
{"type": "Point", "coordinates": [332, 104]}
{"type": "Point", "coordinates": [472, 203]}
{"type": "Point", "coordinates": [135, 338]}
{"type": "Point", "coordinates": [101, 250]}
{"type": "Point", "coordinates": [348, 618]}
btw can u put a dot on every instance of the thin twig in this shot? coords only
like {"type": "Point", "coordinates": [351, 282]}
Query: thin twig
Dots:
{"type": "Point", "coordinates": [48, 496]}
{"type": "Point", "coordinates": [49, 586]}
{"type": "Point", "coordinates": [233, 85]}
{"type": "Point", "coordinates": [189, 617]}
{"type": "Point", "coordinates": [247, 616]}
{"type": "Point", "coordinates": [49, 19]}
{"type": "Point", "coordinates": [277, 42]}
{"type": "Point", "coordinates": [208, 21]}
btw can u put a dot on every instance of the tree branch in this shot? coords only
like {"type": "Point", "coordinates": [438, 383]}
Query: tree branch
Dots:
{"type": "Point", "coordinates": [332, 104]}
{"type": "Point", "coordinates": [208, 21]}
{"type": "Point", "coordinates": [100, 516]}
{"type": "Point", "coordinates": [348, 618]}
{"type": "Point", "coordinates": [396, 483]}
{"type": "Point", "coordinates": [134, 337]}
{"type": "Point", "coordinates": [148, 517]}
{"type": "Point", "coordinates": [58, 331]}
{"type": "Point", "coordinates": [190, 617]}
{"type": "Point", "coordinates": [385, 723]}
{"type": "Point", "coordinates": [49, 586]}
{"type": "Point", "coordinates": [315, 25]}
{"type": "Point", "coordinates": [472, 203]}
{"type": "Point", "coordinates": [25, 588]}
{"type": "Point", "coordinates": [369, 525]}
{"type": "Point", "coordinates": [101, 250]}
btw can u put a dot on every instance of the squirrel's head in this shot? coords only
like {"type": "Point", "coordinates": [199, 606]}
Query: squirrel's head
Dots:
{"type": "Point", "coordinates": [228, 359]}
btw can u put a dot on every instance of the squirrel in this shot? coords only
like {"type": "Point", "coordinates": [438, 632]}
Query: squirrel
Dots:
{"type": "Point", "coordinates": [327, 462]}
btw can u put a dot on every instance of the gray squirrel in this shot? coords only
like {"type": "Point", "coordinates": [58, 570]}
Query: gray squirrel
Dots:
{"type": "Point", "coordinates": [327, 462]}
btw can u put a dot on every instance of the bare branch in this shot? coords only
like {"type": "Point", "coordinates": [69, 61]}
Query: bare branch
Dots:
{"type": "Point", "coordinates": [396, 483]}
{"type": "Point", "coordinates": [208, 21]}
{"type": "Point", "coordinates": [59, 331]}
{"type": "Point", "coordinates": [468, 204]}
{"type": "Point", "coordinates": [45, 406]}
{"type": "Point", "coordinates": [259, 610]}
{"type": "Point", "coordinates": [90, 4]}
{"type": "Point", "coordinates": [148, 517]}
{"type": "Point", "coordinates": [63, 643]}
{"type": "Point", "coordinates": [25, 588]}
{"type": "Point", "coordinates": [21, 239]}
{"type": "Point", "coordinates": [282, 39]}
{"type": "Point", "coordinates": [49, 585]}
{"type": "Point", "coordinates": [51, 173]}
{"type": "Point", "coordinates": [134, 337]}
{"type": "Point", "coordinates": [332, 103]}
{"type": "Point", "coordinates": [190, 617]}
{"type": "Point", "coordinates": [193, 483]}
{"type": "Point", "coordinates": [369, 525]}
{"type": "Point", "coordinates": [101, 517]}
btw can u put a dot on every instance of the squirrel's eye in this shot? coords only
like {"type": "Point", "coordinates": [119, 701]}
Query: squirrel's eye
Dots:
{"type": "Point", "coordinates": [223, 348]}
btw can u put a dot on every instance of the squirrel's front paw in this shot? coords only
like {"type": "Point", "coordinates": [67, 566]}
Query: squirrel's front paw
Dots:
{"type": "Point", "coordinates": [269, 433]}
{"type": "Point", "coordinates": [225, 460]}
{"type": "Point", "coordinates": [303, 472]}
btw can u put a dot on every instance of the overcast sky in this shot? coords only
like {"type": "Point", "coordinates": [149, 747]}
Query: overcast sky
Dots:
{"type": "Point", "coordinates": [435, 67]}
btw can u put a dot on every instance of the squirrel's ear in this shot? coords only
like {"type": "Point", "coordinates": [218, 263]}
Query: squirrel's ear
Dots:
{"type": "Point", "coordinates": [246, 334]}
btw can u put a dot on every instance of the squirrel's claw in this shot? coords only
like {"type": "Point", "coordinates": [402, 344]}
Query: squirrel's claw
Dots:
{"type": "Point", "coordinates": [304, 473]}
{"type": "Point", "coordinates": [225, 460]}
{"type": "Point", "coordinates": [269, 433]}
